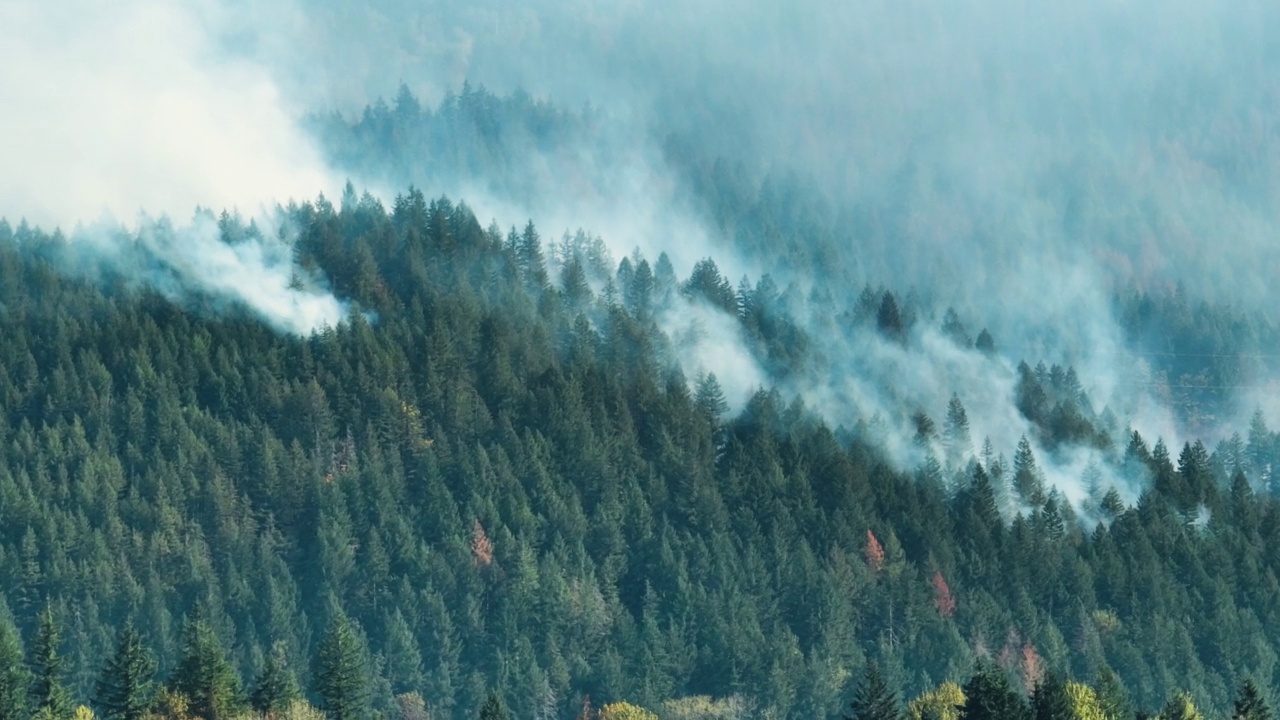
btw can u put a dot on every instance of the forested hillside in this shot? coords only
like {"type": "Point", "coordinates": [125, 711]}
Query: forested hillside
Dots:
{"type": "Point", "coordinates": [494, 476]}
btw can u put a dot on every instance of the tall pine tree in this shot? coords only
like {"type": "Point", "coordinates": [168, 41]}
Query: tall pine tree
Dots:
{"type": "Point", "coordinates": [989, 696]}
{"type": "Point", "coordinates": [127, 687]}
{"type": "Point", "coordinates": [276, 687]}
{"type": "Point", "coordinates": [13, 672]}
{"type": "Point", "coordinates": [1249, 704]}
{"type": "Point", "coordinates": [873, 700]}
{"type": "Point", "coordinates": [342, 681]}
{"type": "Point", "coordinates": [49, 696]}
{"type": "Point", "coordinates": [204, 674]}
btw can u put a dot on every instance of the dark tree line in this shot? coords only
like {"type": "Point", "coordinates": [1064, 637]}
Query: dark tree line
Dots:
{"type": "Point", "coordinates": [505, 481]}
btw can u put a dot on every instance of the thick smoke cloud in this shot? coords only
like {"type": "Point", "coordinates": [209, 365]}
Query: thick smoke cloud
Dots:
{"type": "Point", "coordinates": [1016, 160]}
{"type": "Point", "coordinates": [122, 107]}
{"type": "Point", "coordinates": [212, 261]}
{"type": "Point", "coordinates": [112, 109]}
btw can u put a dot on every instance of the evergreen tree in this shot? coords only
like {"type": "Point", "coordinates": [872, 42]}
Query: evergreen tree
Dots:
{"type": "Point", "coordinates": [204, 675]}
{"type": "Point", "coordinates": [1050, 701]}
{"type": "Point", "coordinates": [49, 696]}
{"type": "Point", "coordinates": [889, 318]}
{"type": "Point", "coordinates": [126, 687]}
{"type": "Point", "coordinates": [1111, 695]}
{"type": "Point", "coordinates": [14, 678]}
{"type": "Point", "coordinates": [989, 696]}
{"type": "Point", "coordinates": [1180, 707]}
{"type": "Point", "coordinates": [1026, 475]}
{"type": "Point", "coordinates": [959, 446]}
{"type": "Point", "coordinates": [1249, 704]}
{"type": "Point", "coordinates": [873, 700]}
{"type": "Point", "coordinates": [1112, 505]}
{"type": "Point", "coordinates": [342, 679]}
{"type": "Point", "coordinates": [710, 397]}
{"type": "Point", "coordinates": [493, 708]}
{"type": "Point", "coordinates": [276, 687]}
{"type": "Point", "coordinates": [985, 343]}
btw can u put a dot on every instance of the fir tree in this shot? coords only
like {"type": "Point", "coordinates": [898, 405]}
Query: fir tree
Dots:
{"type": "Point", "coordinates": [1249, 704]}
{"type": "Point", "coordinates": [49, 696]}
{"type": "Point", "coordinates": [342, 680]}
{"type": "Point", "coordinates": [989, 696]}
{"type": "Point", "coordinates": [126, 687]}
{"type": "Point", "coordinates": [14, 678]}
{"type": "Point", "coordinates": [957, 432]}
{"type": "Point", "coordinates": [1026, 475]}
{"type": "Point", "coordinates": [1050, 701]}
{"type": "Point", "coordinates": [276, 687]}
{"type": "Point", "coordinates": [204, 674]}
{"type": "Point", "coordinates": [493, 708]}
{"type": "Point", "coordinates": [873, 700]}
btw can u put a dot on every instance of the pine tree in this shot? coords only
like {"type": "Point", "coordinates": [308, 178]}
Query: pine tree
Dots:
{"type": "Point", "coordinates": [710, 397]}
{"type": "Point", "coordinates": [1111, 694]}
{"type": "Point", "coordinates": [14, 677]}
{"type": "Point", "coordinates": [49, 697]}
{"type": "Point", "coordinates": [1050, 700]}
{"type": "Point", "coordinates": [493, 708]}
{"type": "Point", "coordinates": [985, 343]}
{"type": "Point", "coordinates": [1249, 704]}
{"type": "Point", "coordinates": [873, 700]}
{"type": "Point", "coordinates": [889, 318]}
{"type": "Point", "coordinates": [204, 674]}
{"type": "Point", "coordinates": [276, 687]}
{"type": "Point", "coordinates": [1112, 505]}
{"type": "Point", "coordinates": [342, 682]}
{"type": "Point", "coordinates": [958, 444]}
{"type": "Point", "coordinates": [989, 696]}
{"type": "Point", "coordinates": [1026, 476]}
{"type": "Point", "coordinates": [126, 687]}
{"type": "Point", "coordinates": [1180, 707]}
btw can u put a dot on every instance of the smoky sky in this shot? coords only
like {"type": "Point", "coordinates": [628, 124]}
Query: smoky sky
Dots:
{"type": "Point", "coordinates": [1140, 134]}
{"type": "Point", "coordinates": [1019, 160]}
{"type": "Point", "coordinates": [1135, 136]}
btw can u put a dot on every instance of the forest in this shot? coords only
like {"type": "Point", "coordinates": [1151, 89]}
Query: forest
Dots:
{"type": "Point", "coordinates": [492, 490]}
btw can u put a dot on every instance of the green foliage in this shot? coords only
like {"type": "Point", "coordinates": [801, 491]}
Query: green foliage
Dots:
{"type": "Point", "coordinates": [1084, 705]}
{"type": "Point", "coordinates": [1050, 700]}
{"type": "Point", "coordinates": [342, 681]}
{"type": "Point", "coordinates": [126, 687]}
{"type": "Point", "coordinates": [14, 678]}
{"type": "Point", "coordinates": [1180, 707]}
{"type": "Point", "coordinates": [1250, 704]}
{"type": "Point", "coordinates": [49, 697]}
{"type": "Point", "coordinates": [941, 703]}
{"type": "Point", "coordinates": [873, 700]}
{"type": "Point", "coordinates": [493, 709]}
{"type": "Point", "coordinates": [639, 541]}
{"type": "Point", "coordinates": [989, 696]}
{"type": "Point", "coordinates": [276, 687]}
{"type": "Point", "coordinates": [625, 711]}
{"type": "Point", "coordinates": [204, 675]}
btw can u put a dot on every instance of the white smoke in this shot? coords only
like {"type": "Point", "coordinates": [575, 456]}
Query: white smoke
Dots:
{"type": "Point", "coordinates": [195, 262]}
{"type": "Point", "coordinates": [116, 108]}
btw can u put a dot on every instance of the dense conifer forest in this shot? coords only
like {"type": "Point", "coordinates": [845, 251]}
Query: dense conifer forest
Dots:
{"type": "Point", "coordinates": [493, 490]}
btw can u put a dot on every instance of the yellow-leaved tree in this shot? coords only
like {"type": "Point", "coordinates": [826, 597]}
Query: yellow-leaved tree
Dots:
{"type": "Point", "coordinates": [1180, 707]}
{"type": "Point", "coordinates": [1084, 703]}
{"type": "Point", "coordinates": [704, 707]}
{"type": "Point", "coordinates": [625, 711]}
{"type": "Point", "coordinates": [940, 703]}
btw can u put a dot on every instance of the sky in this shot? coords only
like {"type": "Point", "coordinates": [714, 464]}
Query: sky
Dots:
{"type": "Point", "coordinates": [1031, 156]}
